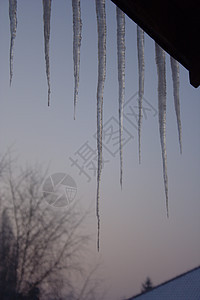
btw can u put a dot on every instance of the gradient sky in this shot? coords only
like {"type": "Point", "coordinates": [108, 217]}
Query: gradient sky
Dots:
{"type": "Point", "coordinates": [137, 239]}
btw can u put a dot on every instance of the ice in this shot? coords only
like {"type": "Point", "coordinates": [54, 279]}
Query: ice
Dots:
{"type": "Point", "coordinates": [77, 28]}
{"type": "Point", "coordinates": [101, 27]}
{"type": "Point", "coordinates": [160, 62]}
{"type": "Point", "coordinates": [175, 78]}
{"type": "Point", "coordinates": [46, 19]}
{"type": "Point", "coordinates": [140, 48]}
{"type": "Point", "coordinates": [121, 76]}
{"type": "Point", "coordinates": [13, 29]}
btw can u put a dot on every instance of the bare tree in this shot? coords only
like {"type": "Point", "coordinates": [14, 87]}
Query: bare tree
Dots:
{"type": "Point", "coordinates": [7, 256]}
{"type": "Point", "coordinates": [41, 246]}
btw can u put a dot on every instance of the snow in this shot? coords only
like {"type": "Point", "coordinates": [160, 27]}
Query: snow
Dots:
{"type": "Point", "coordinates": [183, 287]}
{"type": "Point", "coordinates": [77, 28]}
{"type": "Point", "coordinates": [101, 27]}
{"type": "Point", "coordinates": [140, 48]}
{"type": "Point", "coordinates": [175, 78]}
{"type": "Point", "coordinates": [13, 29]}
{"type": "Point", "coordinates": [160, 62]}
{"type": "Point", "coordinates": [46, 18]}
{"type": "Point", "coordinates": [121, 76]}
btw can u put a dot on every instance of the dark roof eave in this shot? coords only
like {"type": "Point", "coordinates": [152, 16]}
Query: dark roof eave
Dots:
{"type": "Point", "coordinates": [174, 25]}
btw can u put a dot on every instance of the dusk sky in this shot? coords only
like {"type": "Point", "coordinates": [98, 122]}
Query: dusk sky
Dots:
{"type": "Point", "coordinates": [136, 239]}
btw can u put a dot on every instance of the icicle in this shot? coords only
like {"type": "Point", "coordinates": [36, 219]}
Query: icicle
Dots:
{"type": "Point", "coordinates": [101, 27]}
{"type": "Point", "coordinates": [121, 76]}
{"type": "Point", "coordinates": [46, 19]}
{"type": "Point", "coordinates": [77, 28]}
{"type": "Point", "coordinates": [13, 29]}
{"type": "Point", "coordinates": [175, 78]}
{"type": "Point", "coordinates": [140, 48]}
{"type": "Point", "coordinates": [160, 62]}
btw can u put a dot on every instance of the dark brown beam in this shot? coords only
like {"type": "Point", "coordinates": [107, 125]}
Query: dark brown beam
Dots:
{"type": "Point", "coordinates": [174, 25]}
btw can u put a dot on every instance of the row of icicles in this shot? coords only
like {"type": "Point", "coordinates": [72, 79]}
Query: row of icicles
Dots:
{"type": "Point", "coordinates": [101, 28]}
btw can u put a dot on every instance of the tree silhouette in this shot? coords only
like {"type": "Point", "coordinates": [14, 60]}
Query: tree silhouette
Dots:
{"type": "Point", "coordinates": [7, 257]}
{"type": "Point", "coordinates": [147, 285]}
{"type": "Point", "coordinates": [41, 248]}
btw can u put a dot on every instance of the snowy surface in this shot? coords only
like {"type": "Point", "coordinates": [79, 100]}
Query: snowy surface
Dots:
{"type": "Point", "coordinates": [184, 287]}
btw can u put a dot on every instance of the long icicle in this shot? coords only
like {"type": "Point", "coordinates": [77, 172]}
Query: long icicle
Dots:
{"type": "Point", "coordinates": [77, 28]}
{"type": "Point", "coordinates": [121, 76]}
{"type": "Point", "coordinates": [160, 62]}
{"type": "Point", "coordinates": [101, 27]}
{"type": "Point", "coordinates": [140, 49]}
{"type": "Point", "coordinates": [46, 19]}
{"type": "Point", "coordinates": [175, 78]}
{"type": "Point", "coordinates": [13, 30]}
